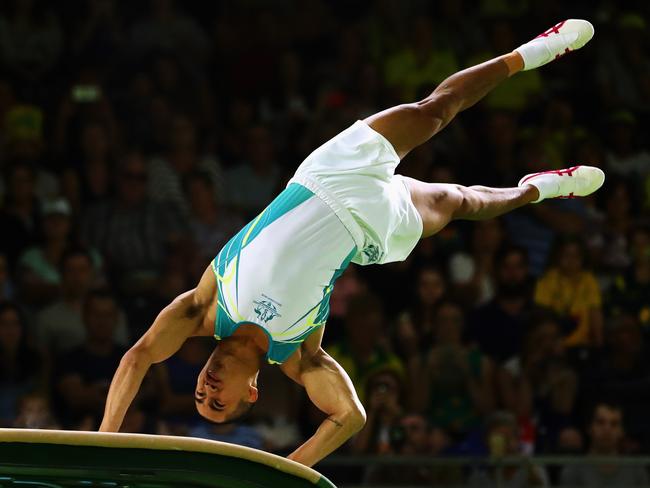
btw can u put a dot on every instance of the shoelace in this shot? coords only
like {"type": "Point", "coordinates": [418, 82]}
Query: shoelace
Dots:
{"type": "Point", "coordinates": [553, 30]}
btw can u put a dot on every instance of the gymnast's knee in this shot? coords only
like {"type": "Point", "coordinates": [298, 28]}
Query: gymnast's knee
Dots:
{"type": "Point", "coordinates": [441, 106]}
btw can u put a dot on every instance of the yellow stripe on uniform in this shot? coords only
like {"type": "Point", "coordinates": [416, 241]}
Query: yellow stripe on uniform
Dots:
{"type": "Point", "coordinates": [257, 219]}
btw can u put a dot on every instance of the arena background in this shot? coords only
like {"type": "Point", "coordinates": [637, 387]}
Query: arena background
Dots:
{"type": "Point", "coordinates": [137, 137]}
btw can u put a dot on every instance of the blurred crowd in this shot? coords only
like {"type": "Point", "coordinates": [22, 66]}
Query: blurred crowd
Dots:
{"type": "Point", "coordinates": [137, 138]}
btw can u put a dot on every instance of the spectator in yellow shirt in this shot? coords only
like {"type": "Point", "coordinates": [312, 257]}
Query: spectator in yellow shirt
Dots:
{"type": "Point", "coordinates": [573, 292]}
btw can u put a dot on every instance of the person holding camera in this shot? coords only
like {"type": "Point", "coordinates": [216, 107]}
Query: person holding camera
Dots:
{"type": "Point", "coordinates": [384, 408]}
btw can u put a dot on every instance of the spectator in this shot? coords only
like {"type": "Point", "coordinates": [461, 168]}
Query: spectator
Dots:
{"type": "Point", "coordinates": [132, 232]}
{"type": "Point", "coordinates": [276, 416]}
{"type": "Point", "coordinates": [609, 246]}
{"type": "Point", "coordinates": [253, 183]}
{"type": "Point", "coordinates": [518, 92]}
{"type": "Point", "coordinates": [455, 384]}
{"type": "Point", "coordinates": [499, 132]}
{"type": "Point", "coordinates": [630, 289]}
{"type": "Point", "coordinates": [175, 382]}
{"type": "Point", "coordinates": [210, 223]}
{"type": "Point", "coordinates": [95, 163]}
{"type": "Point", "coordinates": [419, 65]}
{"type": "Point", "coordinates": [167, 28]}
{"type": "Point", "coordinates": [34, 413]}
{"type": "Point", "coordinates": [472, 273]}
{"type": "Point", "coordinates": [39, 265]}
{"type": "Point", "coordinates": [413, 437]}
{"type": "Point", "coordinates": [86, 102]}
{"type": "Point", "coordinates": [30, 40]}
{"type": "Point", "coordinates": [416, 325]}
{"type": "Point", "coordinates": [502, 439]}
{"type": "Point", "coordinates": [606, 434]}
{"type": "Point", "coordinates": [499, 326]}
{"type": "Point", "coordinates": [288, 106]}
{"type": "Point", "coordinates": [181, 158]}
{"type": "Point", "coordinates": [84, 374]}
{"type": "Point", "coordinates": [60, 327]}
{"type": "Point", "coordinates": [384, 407]}
{"type": "Point", "coordinates": [239, 120]}
{"type": "Point", "coordinates": [22, 368]}
{"type": "Point", "coordinates": [572, 291]}
{"type": "Point", "coordinates": [626, 157]}
{"type": "Point", "coordinates": [100, 33]}
{"type": "Point", "coordinates": [139, 421]}
{"type": "Point", "coordinates": [25, 145]}
{"type": "Point", "coordinates": [622, 372]}
{"type": "Point", "coordinates": [349, 284]}
{"type": "Point", "coordinates": [560, 131]}
{"type": "Point", "coordinates": [20, 214]}
{"type": "Point", "coordinates": [232, 433]}
{"type": "Point", "coordinates": [365, 350]}
{"type": "Point", "coordinates": [623, 64]}
{"type": "Point", "coordinates": [536, 227]}
{"type": "Point", "coordinates": [538, 385]}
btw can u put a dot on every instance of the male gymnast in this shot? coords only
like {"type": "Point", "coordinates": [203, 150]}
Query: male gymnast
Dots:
{"type": "Point", "coordinates": [266, 294]}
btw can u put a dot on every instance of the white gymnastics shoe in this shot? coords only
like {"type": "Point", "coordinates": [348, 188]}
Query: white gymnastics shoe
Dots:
{"type": "Point", "coordinates": [577, 181]}
{"type": "Point", "coordinates": [554, 43]}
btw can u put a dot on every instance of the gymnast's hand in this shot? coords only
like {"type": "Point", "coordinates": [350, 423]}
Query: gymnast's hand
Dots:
{"type": "Point", "coordinates": [181, 319]}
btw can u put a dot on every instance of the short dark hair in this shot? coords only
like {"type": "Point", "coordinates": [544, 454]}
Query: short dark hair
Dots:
{"type": "Point", "coordinates": [102, 293]}
{"type": "Point", "coordinates": [126, 156]}
{"type": "Point", "coordinates": [609, 404]}
{"type": "Point", "coordinates": [6, 305]}
{"type": "Point", "coordinates": [568, 240]}
{"type": "Point", "coordinates": [201, 176]}
{"type": "Point", "coordinates": [73, 252]}
{"type": "Point", "coordinates": [509, 249]}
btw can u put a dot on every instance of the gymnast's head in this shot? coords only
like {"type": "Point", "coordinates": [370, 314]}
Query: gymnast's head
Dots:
{"type": "Point", "coordinates": [226, 388]}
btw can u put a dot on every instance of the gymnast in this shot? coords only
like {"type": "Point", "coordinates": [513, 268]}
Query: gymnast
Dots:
{"type": "Point", "coordinates": [265, 297]}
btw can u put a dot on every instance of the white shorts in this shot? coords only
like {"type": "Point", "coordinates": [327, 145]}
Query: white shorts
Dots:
{"type": "Point", "coordinates": [354, 173]}
{"type": "Point", "coordinates": [344, 204]}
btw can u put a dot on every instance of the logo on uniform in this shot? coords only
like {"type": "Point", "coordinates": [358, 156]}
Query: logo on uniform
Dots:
{"type": "Point", "coordinates": [266, 310]}
{"type": "Point", "coordinates": [373, 253]}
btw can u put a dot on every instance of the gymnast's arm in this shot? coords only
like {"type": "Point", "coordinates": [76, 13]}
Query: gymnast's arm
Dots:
{"type": "Point", "coordinates": [182, 318]}
{"type": "Point", "coordinates": [329, 387]}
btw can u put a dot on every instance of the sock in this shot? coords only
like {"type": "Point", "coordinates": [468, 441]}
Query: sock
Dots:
{"type": "Point", "coordinates": [534, 54]}
{"type": "Point", "coordinates": [547, 185]}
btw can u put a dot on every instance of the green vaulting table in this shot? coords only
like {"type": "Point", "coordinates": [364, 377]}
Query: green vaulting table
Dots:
{"type": "Point", "coordinates": [56, 458]}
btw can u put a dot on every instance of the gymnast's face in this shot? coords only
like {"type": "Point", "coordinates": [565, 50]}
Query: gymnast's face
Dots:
{"type": "Point", "coordinates": [223, 393]}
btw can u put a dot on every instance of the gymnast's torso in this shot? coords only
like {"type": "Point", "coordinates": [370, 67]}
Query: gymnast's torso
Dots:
{"type": "Point", "coordinates": [279, 271]}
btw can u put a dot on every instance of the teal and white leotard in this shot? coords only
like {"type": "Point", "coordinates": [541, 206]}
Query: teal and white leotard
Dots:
{"type": "Point", "coordinates": [279, 270]}
{"type": "Point", "coordinates": [343, 205]}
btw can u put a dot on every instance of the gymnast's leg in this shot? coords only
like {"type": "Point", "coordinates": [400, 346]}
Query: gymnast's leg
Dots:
{"type": "Point", "coordinates": [409, 125]}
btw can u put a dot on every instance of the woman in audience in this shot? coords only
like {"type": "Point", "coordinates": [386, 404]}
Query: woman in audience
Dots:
{"type": "Point", "coordinates": [415, 326]}
{"type": "Point", "coordinates": [573, 292]}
